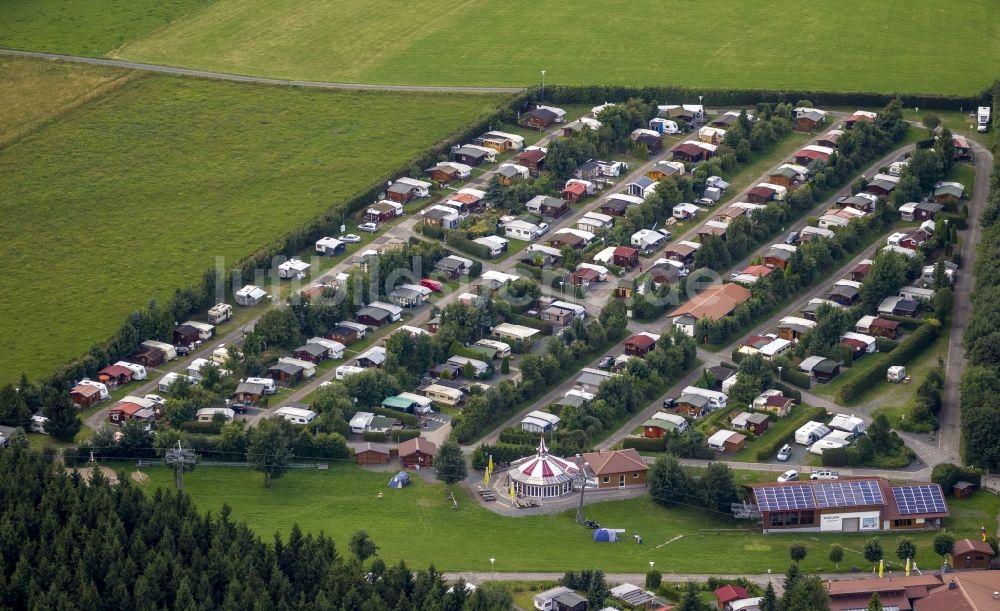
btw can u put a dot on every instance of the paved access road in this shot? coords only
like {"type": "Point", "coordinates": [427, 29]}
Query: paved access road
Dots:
{"type": "Point", "coordinates": [259, 80]}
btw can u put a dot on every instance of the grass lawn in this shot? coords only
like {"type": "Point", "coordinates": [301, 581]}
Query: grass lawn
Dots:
{"type": "Point", "coordinates": [585, 42]}
{"type": "Point", "coordinates": [418, 524]}
{"type": "Point", "coordinates": [140, 191]}
{"type": "Point", "coordinates": [884, 394]}
{"type": "Point", "coordinates": [35, 91]}
{"type": "Point", "coordinates": [896, 401]}
{"type": "Point", "coordinates": [964, 173]}
{"type": "Point", "coordinates": [85, 28]}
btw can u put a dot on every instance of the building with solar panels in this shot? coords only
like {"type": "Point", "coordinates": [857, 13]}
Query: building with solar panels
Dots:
{"type": "Point", "coordinates": [848, 505]}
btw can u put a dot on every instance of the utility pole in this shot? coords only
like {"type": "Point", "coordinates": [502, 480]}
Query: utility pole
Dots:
{"type": "Point", "coordinates": [179, 457]}
{"type": "Point", "coordinates": [583, 487]}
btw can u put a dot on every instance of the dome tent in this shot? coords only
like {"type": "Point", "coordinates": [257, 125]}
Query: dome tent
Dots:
{"type": "Point", "coordinates": [400, 480]}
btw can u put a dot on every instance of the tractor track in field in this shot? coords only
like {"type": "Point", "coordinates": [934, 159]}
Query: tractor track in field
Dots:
{"type": "Point", "coordinates": [258, 80]}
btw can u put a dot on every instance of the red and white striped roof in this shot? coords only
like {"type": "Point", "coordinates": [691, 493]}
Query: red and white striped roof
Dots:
{"type": "Point", "coordinates": [543, 469]}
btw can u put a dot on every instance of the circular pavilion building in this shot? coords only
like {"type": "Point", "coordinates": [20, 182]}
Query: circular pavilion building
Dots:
{"type": "Point", "coordinates": [543, 476]}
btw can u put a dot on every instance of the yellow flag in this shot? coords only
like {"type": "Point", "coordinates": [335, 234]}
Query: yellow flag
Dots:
{"type": "Point", "coordinates": [486, 478]}
{"type": "Point", "coordinates": [907, 567]}
{"type": "Point", "coordinates": [489, 465]}
{"type": "Point", "coordinates": [512, 489]}
{"type": "Point", "coordinates": [881, 567]}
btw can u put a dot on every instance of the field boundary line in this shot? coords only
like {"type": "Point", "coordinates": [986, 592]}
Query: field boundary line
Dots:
{"type": "Point", "coordinates": [100, 91]}
{"type": "Point", "coordinates": [259, 80]}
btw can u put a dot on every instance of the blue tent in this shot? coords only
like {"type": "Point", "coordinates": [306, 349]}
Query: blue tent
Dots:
{"type": "Point", "coordinates": [605, 535]}
{"type": "Point", "coordinates": [400, 480]}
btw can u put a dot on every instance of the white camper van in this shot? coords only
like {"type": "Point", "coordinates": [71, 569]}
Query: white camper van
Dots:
{"type": "Point", "coordinates": [138, 371]}
{"type": "Point", "coordinates": [347, 370]}
{"type": "Point", "coordinates": [267, 383]}
{"type": "Point", "coordinates": [715, 398]}
{"type": "Point", "coordinates": [983, 119]}
{"type": "Point", "coordinates": [811, 432]}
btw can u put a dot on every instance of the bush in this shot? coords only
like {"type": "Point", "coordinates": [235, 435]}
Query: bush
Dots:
{"type": "Point", "coordinates": [406, 419]}
{"type": "Point", "coordinates": [456, 240]}
{"type": "Point", "coordinates": [399, 435]}
{"type": "Point", "coordinates": [431, 231]}
{"type": "Point", "coordinates": [796, 377]}
{"type": "Point", "coordinates": [645, 444]}
{"type": "Point", "coordinates": [884, 344]}
{"type": "Point", "coordinates": [374, 437]}
{"type": "Point", "coordinates": [947, 475]}
{"type": "Point", "coordinates": [205, 428]}
{"type": "Point", "coordinates": [535, 323]}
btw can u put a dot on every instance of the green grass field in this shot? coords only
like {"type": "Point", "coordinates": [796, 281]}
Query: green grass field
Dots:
{"type": "Point", "coordinates": [35, 91]}
{"type": "Point", "coordinates": [851, 45]}
{"type": "Point", "coordinates": [85, 28]}
{"type": "Point", "coordinates": [418, 524]}
{"type": "Point", "coordinates": [138, 192]}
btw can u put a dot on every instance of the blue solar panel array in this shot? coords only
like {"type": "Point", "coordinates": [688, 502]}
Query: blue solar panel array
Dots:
{"type": "Point", "coordinates": [785, 498]}
{"type": "Point", "coordinates": [848, 493]}
{"type": "Point", "coordinates": [926, 498]}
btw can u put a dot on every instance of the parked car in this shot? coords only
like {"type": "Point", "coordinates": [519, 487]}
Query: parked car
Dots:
{"type": "Point", "coordinates": [157, 399]}
{"type": "Point", "coordinates": [369, 227]}
{"type": "Point", "coordinates": [792, 238]}
{"type": "Point", "coordinates": [239, 408]}
{"type": "Point", "coordinates": [670, 403]}
{"type": "Point", "coordinates": [824, 474]}
{"type": "Point", "coordinates": [606, 362]}
{"type": "Point", "coordinates": [182, 350]}
{"type": "Point", "coordinates": [785, 453]}
{"type": "Point", "coordinates": [350, 238]}
{"type": "Point", "coordinates": [543, 228]}
{"type": "Point", "coordinates": [704, 201]}
{"type": "Point", "coordinates": [666, 234]}
{"type": "Point", "coordinates": [789, 476]}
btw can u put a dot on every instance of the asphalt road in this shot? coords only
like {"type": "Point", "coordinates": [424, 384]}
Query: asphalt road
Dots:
{"type": "Point", "coordinates": [259, 80]}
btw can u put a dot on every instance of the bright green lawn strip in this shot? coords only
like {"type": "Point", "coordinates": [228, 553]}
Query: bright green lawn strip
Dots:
{"type": "Point", "coordinates": [836, 46]}
{"type": "Point", "coordinates": [782, 150]}
{"type": "Point", "coordinates": [417, 524]}
{"type": "Point", "coordinates": [122, 200]}
{"type": "Point", "coordinates": [86, 28]}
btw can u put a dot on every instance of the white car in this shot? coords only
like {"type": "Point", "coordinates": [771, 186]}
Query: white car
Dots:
{"type": "Point", "coordinates": [157, 399]}
{"type": "Point", "coordinates": [824, 475]}
{"type": "Point", "coordinates": [369, 227]}
{"type": "Point", "coordinates": [784, 453]}
{"type": "Point", "coordinates": [543, 228]}
{"type": "Point", "coordinates": [350, 238]}
{"type": "Point", "coordinates": [788, 476]}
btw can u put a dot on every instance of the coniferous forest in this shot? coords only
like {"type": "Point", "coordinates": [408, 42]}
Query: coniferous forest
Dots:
{"type": "Point", "coordinates": [68, 543]}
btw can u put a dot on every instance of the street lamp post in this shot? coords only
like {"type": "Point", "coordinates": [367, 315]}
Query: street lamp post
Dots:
{"type": "Point", "coordinates": [583, 487]}
{"type": "Point", "coordinates": [779, 372]}
{"type": "Point", "coordinates": [543, 85]}
{"type": "Point", "coordinates": [493, 568]}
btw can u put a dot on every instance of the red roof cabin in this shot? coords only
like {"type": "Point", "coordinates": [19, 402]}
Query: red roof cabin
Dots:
{"type": "Point", "coordinates": [640, 344]}
{"type": "Point", "coordinates": [574, 192]}
{"type": "Point", "coordinates": [730, 593]}
{"type": "Point", "coordinates": [625, 256]}
{"type": "Point", "coordinates": [83, 395]}
{"type": "Point", "coordinates": [760, 195]}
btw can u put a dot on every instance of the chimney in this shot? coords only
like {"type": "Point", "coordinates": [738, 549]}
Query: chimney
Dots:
{"type": "Point", "coordinates": [952, 584]}
{"type": "Point", "coordinates": [996, 596]}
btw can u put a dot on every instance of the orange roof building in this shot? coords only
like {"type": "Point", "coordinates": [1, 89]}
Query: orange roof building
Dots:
{"type": "Point", "coordinates": [713, 303]}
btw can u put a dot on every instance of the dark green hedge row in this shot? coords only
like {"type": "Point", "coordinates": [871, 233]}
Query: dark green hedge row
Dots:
{"type": "Point", "coordinates": [645, 444]}
{"type": "Point", "coordinates": [458, 241]}
{"type": "Point", "coordinates": [597, 94]}
{"type": "Point", "coordinates": [796, 378]}
{"type": "Point", "coordinates": [877, 364]}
